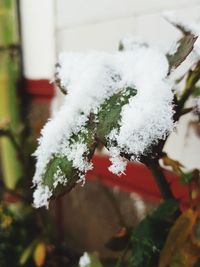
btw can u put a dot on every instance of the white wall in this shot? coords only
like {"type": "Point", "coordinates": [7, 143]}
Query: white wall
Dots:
{"type": "Point", "coordinates": [38, 38]}
{"type": "Point", "coordinates": [92, 24]}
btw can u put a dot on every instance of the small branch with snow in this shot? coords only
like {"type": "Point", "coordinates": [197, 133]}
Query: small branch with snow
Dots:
{"type": "Point", "coordinates": [122, 100]}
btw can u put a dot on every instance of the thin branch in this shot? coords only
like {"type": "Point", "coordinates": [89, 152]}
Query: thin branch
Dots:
{"type": "Point", "coordinates": [160, 179]}
{"type": "Point", "coordinates": [192, 79]}
{"type": "Point", "coordinates": [186, 111]}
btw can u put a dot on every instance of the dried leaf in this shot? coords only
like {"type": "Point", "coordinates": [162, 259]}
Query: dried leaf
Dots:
{"type": "Point", "coordinates": [177, 238]}
{"type": "Point", "coordinates": [174, 164]}
{"type": "Point", "coordinates": [39, 254]}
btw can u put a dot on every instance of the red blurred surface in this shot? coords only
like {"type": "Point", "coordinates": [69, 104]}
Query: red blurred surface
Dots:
{"type": "Point", "coordinates": [40, 90]}
{"type": "Point", "coordinates": [138, 179]}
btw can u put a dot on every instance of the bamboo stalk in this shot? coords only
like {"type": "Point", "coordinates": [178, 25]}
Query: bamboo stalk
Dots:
{"type": "Point", "coordinates": [9, 71]}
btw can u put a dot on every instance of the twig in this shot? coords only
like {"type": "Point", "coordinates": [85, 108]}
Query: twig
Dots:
{"type": "Point", "coordinates": [160, 179]}
{"type": "Point", "coordinates": [192, 79]}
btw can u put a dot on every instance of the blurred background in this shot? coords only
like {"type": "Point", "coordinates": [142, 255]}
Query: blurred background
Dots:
{"type": "Point", "coordinates": [32, 34]}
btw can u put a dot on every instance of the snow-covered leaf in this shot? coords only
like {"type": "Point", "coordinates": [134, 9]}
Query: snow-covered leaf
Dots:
{"type": "Point", "coordinates": [118, 100]}
{"type": "Point", "coordinates": [110, 113]}
{"type": "Point", "coordinates": [184, 48]}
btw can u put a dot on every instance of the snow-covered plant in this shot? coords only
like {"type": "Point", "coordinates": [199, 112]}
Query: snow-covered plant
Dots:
{"type": "Point", "coordinates": [123, 100]}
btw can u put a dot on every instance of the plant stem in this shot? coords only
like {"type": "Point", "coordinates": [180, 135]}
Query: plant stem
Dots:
{"type": "Point", "coordinates": [192, 79]}
{"type": "Point", "coordinates": [160, 179]}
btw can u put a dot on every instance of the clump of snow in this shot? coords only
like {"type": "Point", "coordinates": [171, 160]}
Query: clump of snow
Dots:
{"type": "Point", "coordinates": [90, 79]}
{"type": "Point", "coordinates": [148, 115]}
{"type": "Point", "coordinates": [189, 26]}
{"type": "Point", "coordinates": [41, 196]}
{"type": "Point", "coordinates": [118, 165]}
{"type": "Point", "coordinates": [84, 260]}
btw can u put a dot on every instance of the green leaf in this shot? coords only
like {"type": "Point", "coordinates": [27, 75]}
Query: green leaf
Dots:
{"type": "Point", "coordinates": [67, 169]}
{"type": "Point", "coordinates": [109, 114]}
{"type": "Point", "coordinates": [186, 177]}
{"type": "Point", "coordinates": [149, 236]}
{"type": "Point", "coordinates": [96, 130]}
{"type": "Point", "coordinates": [27, 253]}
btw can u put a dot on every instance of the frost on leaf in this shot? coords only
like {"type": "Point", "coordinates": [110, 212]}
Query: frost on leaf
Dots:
{"type": "Point", "coordinates": [122, 100]}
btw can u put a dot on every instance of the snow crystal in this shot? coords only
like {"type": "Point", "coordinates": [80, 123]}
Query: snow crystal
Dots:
{"type": "Point", "coordinates": [75, 153]}
{"type": "Point", "coordinates": [84, 260]}
{"type": "Point", "coordinates": [59, 177]}
{"type": "Point", "coordinates": [118, 163]}
{"type": "Point", "coordinates": [90, 79]}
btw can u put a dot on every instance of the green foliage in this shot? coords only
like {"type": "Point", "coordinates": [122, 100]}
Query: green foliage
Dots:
{"type": "Point", "coordinates": [15, 235]}
{"type": "Point", "coordinates": [109, 114]}
{"type": "Point", "coordinates": [186, 177]}
{"type": "Point", "coordinates": [149, 236]}
{"type": "Point", "coordinates": [66, 167]}
{"type": "Point", "coordinates": [84, 136]}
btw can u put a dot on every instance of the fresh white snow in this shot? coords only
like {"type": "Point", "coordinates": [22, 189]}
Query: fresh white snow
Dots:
{"type": "Point", "coordinates": [90, 79]}
{"type": "Point", "coordinates": [84, 260]}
